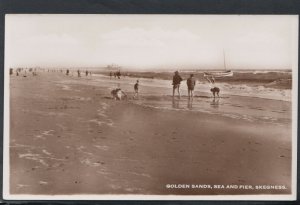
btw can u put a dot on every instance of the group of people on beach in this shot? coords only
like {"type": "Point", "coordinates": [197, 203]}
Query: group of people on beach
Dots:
{"type": "Point", "coordinates": [191, 83]}
{"type": "Point", "coordinates": [79, 72]}
{"type": "Point", "coordinates": [23, 71]}
{"type": "Point", "coordinates": [116, 74]}
{"type": "Point", "coordinates": [177, 79]}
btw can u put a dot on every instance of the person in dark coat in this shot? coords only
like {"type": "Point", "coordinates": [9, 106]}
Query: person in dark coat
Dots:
{"type": "Point", "coordinates": [176, 83]}
{"type": "Point", "coordinates": [191, 82]}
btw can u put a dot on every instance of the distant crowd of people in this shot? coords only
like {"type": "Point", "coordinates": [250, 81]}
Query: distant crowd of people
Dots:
{"type": "Point", "coordinates": [23, 71]}
{"type": "Point", "coordinates": [87, 73]}
{"type": "Point", "coordinates": [116, 74]}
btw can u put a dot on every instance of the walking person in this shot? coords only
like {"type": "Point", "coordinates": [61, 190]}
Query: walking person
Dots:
{"type": "Point", "coordinates": [136, 89]}
{"type": "Point", "coordinates": [191, 82]}
{"type": "Point", "coordinates": [176, 83]}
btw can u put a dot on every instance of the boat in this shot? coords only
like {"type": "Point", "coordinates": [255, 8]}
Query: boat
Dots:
{"type": "Point", "coordinates": [219, 74]}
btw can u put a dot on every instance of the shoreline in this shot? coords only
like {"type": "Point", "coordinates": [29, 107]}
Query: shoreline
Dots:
{"type": "Point", "coordinates": [226, 93]}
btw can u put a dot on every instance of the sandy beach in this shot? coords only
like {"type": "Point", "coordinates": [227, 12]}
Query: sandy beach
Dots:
{"type": "Point", "coordinates": [68, 136]}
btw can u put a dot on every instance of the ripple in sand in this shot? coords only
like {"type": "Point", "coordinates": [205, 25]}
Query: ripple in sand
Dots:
{"type": "Point", "coordinates": [22, 146]}
{"type": "Point", "coordinates": [80, 98]}
{"type": "Point", "coordinates": [40, 137]}
{"type": "Point", "coordinates": [115, 186]}
{"type": "Point", "coordinates": [65, 87]}
{"type": "Point", "coordinates": [46, 152]}
{"type": "Point", "coordinates": [81, 148]}
{"type": "Point", "coordinates": [44, 113]}
{"type": "Point", "coordinates": [47, 132]}
{"type": "Point", "coordinates": [34, 157]}
{"type": "Point", "coordinates": [105, 148]}
{"type": "Point", "coordinates": [133, 189]}
{"type": "Point", "coordinates": [44, 134]}
{"type": "Point", "coordinates": [88, 162]}
{"type": "Point", "coordinates": [19, 186]}
{"type": "Point", "coordinates": [140, 174]}
{"type": "Point", "coordinates": [99, 122]}
{"type": "Point", "coordinates": [43, 182]}
{"type": "Point", "coordinates": [39, 158]}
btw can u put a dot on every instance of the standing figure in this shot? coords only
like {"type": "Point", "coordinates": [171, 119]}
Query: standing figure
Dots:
{"type": "Point", "coordinates": [118, 74]}
{"type": "Point", "coordinates": [176, 83]}
{"type": "Point", "coordinates": [78, 72]}
{"type": "Point", "coordinates": [136, 89]}
{"type": "Point", "coordinates": [67, 72]}
{"type": "Point", "coordinates": [191, 82]}
{"type": "Point", "coordinates": [86, 73]}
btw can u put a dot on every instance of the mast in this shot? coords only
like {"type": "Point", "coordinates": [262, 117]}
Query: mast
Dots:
{"type": "Point", "coordinates": [224, 59]}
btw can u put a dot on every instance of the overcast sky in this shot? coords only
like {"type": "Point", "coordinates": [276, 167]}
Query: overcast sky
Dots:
{"type": "Point", "coordinates": [151, 41]}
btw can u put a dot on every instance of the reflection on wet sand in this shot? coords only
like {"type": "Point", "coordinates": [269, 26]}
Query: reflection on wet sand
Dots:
{"type": "Point", "coordinates": [190, 103]}
{"type": "Point", "coordinates": [215, 103]}
{"type": "Point", "coordinates": [175, 103]}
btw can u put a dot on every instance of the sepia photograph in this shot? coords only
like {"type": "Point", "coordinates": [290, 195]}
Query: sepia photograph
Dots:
{"type": "Point", "coordinates": [191, 107]}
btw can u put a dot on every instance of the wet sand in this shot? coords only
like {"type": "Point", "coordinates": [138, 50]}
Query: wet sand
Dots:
{"type": "Point", "coordinates": [69, 137]}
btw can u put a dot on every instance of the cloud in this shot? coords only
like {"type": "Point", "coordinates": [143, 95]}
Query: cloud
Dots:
{"type": "Point", "coordinates": [148, 37]}
{"type": "Point", "coordinates": [143, 40]}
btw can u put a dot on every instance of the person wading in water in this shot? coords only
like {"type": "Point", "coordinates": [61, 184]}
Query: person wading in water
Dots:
{"type": "Point", "coordinates": [176, 83]}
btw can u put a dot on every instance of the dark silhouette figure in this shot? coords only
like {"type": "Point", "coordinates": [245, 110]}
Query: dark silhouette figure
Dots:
{"type": "Point", "coordinates": [176, 83]}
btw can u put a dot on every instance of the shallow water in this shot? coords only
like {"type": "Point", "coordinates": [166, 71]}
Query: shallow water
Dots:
{"type": "Point", "coordinates": [262, 105]}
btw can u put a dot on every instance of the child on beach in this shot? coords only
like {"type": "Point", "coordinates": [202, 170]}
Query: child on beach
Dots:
{"type": "Point", "coordinates": [118, 94]}
{"type": "Point", "coordinates": [136, 89]}
{"type": "Point", "coordinates": [191, 82]}
{"type": "Point", "coordinates": [215, 90]}
{"type": "Point", "coordinates": [176, 83]}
